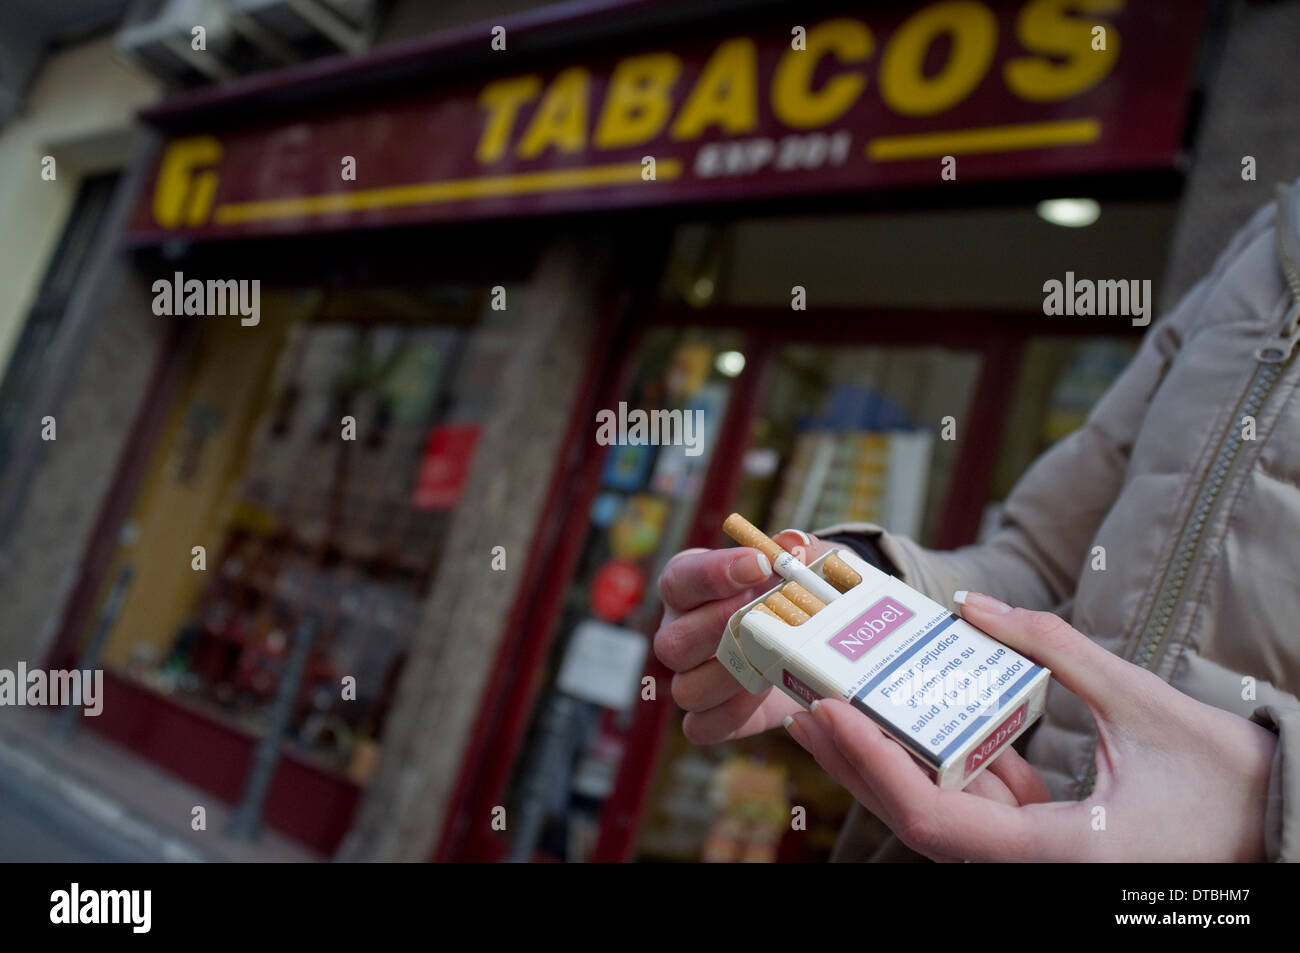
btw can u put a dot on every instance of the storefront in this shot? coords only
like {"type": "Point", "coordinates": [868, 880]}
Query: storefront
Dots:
{"type": "Point", "coordinates": [815, 239]}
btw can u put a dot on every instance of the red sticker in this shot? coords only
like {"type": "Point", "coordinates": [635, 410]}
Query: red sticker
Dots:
{"type": "Point", "coordinates": [444, 466]}
{"type": "Point", "coordinates": [616, 590]}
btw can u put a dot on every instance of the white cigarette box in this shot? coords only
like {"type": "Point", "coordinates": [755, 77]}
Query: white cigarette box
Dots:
{"type": "Point", "coordinates": [951, 695]}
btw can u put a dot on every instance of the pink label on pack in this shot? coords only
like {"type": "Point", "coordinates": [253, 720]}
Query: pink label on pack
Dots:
{"type": "Point", "coordinates": [874, 624]}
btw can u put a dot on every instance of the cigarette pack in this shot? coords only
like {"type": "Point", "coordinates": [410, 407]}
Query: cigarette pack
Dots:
{"type": "Point", "coordinates": [952, 696]}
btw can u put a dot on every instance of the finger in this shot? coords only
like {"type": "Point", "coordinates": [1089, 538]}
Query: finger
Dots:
{"type": "Point", "coordinates": [814, 739]}
{"type": "Point", "coordinates": [926, 818]}
{"type": "Point", "coordinates": [1020, 777]}
{"type": "Point", "coordinates": [693, 578]}
{"type": "Point", "coordinates": [739, 716]}
{"type": "Point", "coordinates": [818, 742]}
{"type": "Point", "coordinates": [990, 786]}
{"type": "Point", "coordinates": [1080, 664]}
{"type": "Point", "coordinates": [684, 641]}
{"type": "Point", "coordinates": [705, 686]}
{"type": "Point", "coordinates": [801, 545]}
{"type": "Point", "coordinates": [811, 734]}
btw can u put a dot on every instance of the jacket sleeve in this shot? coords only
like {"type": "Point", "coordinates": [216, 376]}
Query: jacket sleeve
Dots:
{"type": "Point", "coordinates": [1282, 819]}
{"type": "Point", "coordinates": [1052, 515]}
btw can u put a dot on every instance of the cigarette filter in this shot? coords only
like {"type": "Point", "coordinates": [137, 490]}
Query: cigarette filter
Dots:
{"type": "Point", "coordinates": [951, 695]}
{"type": "Point", "coordinates": [802, 598]}
{"type": "Point", "coordinates": [785, 610]}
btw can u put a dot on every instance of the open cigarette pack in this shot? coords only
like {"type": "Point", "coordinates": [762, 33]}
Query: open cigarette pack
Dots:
{"type": "Point", "coordinates": [949, 694]}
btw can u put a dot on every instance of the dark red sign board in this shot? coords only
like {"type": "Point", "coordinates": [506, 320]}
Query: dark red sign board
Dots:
{"type": "Point", "coordinates": [1009, 89]}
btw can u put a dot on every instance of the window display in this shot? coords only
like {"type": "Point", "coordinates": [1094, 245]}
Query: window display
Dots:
{"type": "Point", "coordinates": [856, 434]}
{"type": "Point", "coordinates": [326, 497]}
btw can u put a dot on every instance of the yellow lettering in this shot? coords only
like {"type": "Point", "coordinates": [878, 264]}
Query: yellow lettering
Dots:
{"type": "Point", "coordinates": [502, 100]}
{"type": "Point", "coordinates": [561, 118]}
{"type": "Point", "coordinates": [638, 101]}
{"type": "Point", "coordinates": [183, 195]}
{"type": "Point", "coordinates": [903, 84]}
{"type": "Point", "coordinates": [726, 93]}
{"type": "Point", "coordinates": [1067, 64]}
{"type": "Point", "coordinates": [793, 100]}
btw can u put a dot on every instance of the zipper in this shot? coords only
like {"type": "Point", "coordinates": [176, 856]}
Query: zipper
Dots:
{"type": "Point", "coordinates": [1271, 358]}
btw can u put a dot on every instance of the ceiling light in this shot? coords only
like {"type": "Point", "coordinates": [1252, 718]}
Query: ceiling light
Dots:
{"type": "Point", "coordinates": [1072, 213]}
{"type": "Point", "coordinates": [730, 363]}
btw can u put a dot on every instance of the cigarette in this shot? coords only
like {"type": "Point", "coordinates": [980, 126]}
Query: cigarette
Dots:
{"type": "Point", "coordinates": [801, 597]}
{"type": "Point", "coordinates": [747, 534]}
{"type": "Point", "coordinates": [840, 573]}
{"type": "Point", "coordinates": [786, 610]}
{"type": "Point", "coordinates": [766, 611]}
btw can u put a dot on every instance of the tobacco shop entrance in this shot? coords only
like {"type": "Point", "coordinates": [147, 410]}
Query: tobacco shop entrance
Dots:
{"type": "Point", "coordinates": [760, 241]}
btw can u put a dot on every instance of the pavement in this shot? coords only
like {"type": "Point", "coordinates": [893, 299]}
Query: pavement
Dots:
{"type": "Point", "coordinates": [84, 800]}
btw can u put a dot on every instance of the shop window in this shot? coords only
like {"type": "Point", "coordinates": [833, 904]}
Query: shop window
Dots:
{"type": "Point", "coordinates": [317, 460]}
{"type": "Point", "coordinates": [856, 434]}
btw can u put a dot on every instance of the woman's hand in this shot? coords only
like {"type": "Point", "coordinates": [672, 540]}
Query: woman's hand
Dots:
{"type": "Point", "coordinates": [700, 589]}
{"type": "Point", "coordinates": [1176, 779]}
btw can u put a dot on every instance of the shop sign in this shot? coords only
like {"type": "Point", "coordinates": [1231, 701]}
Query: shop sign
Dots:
{"type": "Point", "coordinates": [899, 96]}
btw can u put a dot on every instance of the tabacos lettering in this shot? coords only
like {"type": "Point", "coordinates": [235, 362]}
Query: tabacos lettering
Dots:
{"type": "Point", "coordinates": [875, 623]}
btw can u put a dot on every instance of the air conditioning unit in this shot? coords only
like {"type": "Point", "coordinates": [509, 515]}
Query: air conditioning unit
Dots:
{"type": "Point", "coordinates": [344, 25]}
{"type": "Point", "coordinates": [241, 36]}
{"type": "Point", "coordinates": [160, 37]}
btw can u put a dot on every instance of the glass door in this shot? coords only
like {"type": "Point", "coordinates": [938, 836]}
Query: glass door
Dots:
{"type": "Point", "coordinates": [656, 443]}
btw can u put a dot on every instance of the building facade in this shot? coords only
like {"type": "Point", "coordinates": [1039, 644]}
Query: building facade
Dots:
{"type": "Point", "coordinates": [330, 471]}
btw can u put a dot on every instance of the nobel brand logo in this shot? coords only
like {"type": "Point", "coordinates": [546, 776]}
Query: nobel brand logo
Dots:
{"type": "Point", "coordinates": [878, 621]}
{"type": "Point", "coordinates": [800, 687]}
{"type": "Point", "coordinates": [1000, 736]}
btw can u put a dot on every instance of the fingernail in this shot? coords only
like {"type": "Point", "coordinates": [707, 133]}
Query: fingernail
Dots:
{"type": "Point", "coordinates": [746, 572]}
{"type": "Point", "coordinates": [795, 729]}
{"type": "Point", "coordinates": [977, 600]}
{"type": "Point", "coordinates": [804, 537]}
{"type": "Point", "coordinates": [813, 706]}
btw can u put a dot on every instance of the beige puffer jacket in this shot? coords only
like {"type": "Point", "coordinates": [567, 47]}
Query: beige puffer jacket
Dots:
{"type": "Point", "coordinates": [1201, 526]}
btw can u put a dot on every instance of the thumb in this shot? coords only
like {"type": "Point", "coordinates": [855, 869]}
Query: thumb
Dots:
{"type": "Point", "coordinates": [1080, 664]}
